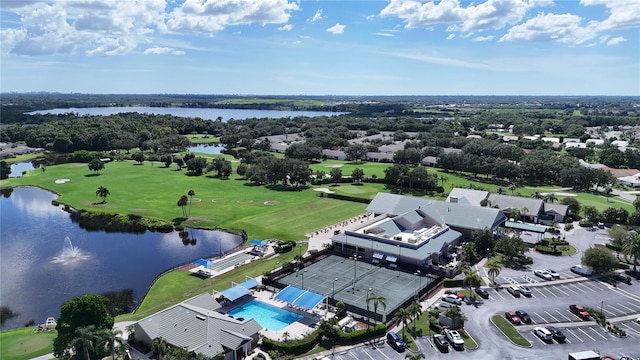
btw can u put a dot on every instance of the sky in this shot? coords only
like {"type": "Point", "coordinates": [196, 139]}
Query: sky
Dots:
{"type": "Point", "coordinates": [283, 47]}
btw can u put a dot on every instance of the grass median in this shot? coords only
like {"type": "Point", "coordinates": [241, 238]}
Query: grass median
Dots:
{"type": "Point", "coordinates": [510, 331]}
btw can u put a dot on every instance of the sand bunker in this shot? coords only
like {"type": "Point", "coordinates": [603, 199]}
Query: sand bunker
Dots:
{"type": "Point", "coordinates": [324, 190]}
{"type": "Point", "coordinates": [271, 202]}
{"type": "Point", "coordinates": [559, 193]}
{"type": "Point", "coordinates": [334, 166]}
{"type": "Point", "coordinates": [61, 181]}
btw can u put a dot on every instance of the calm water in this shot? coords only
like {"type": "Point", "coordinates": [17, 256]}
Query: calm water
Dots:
{"type": "Point", "coordinates": [209, 114]}
{"type": "Point", "coordinates": [35, 280]}
{"type": "Point", "coordinates": [18, 168]}
{"type": "Point", "coordinates": [205, 148]}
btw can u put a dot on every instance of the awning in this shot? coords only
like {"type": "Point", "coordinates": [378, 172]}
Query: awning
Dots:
{"type": "Point", "coordinates": [305, 299]}
{"type": "Point", "coordinates": [378, 256]}
{"type": "Point", "coordinates": [235, 292]}
{"type": "Point", "coordinates": [391, 258]}
{"type": "Point", "coordinates": [249, 283]}
{"type": "Point", "coordinates": [259, 243]}
{"type": "Point", "coordinates": [526, 227]}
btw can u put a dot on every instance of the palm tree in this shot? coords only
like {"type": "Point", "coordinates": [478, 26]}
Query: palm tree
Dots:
{"type": "Point", "coordinates": [636, 202]}
{"type": "Point", "coordinates": [83, 343]}
{"type": "Point", "coordinates": [536, 195]}
{"type": "Point", "coordinates": [103, 192]}
{"type": "Point", "coordinates": [471, 279]}
{"type": "Point", "coordinates": [631, 246]}
{"type": "Point", "coordinates": [190, 193]}
{"type": "Point", "coordinates": [377, 300]}
{"type": "Point", "coordinates": [415, 310]}
{"type": "Point", "coordinates": [512, 188]}
{"type": "Point", "coordinates": [550, 197]}
{"type": "Point", "coordinates": [285, 336]}
{"type": "Point", "coordinates": [524, 212]}
{"type": "Point", "coordinates": [403, 316]}
{"type": "Point", "coordinates": [182, 202]}
{"type": "Point", "coordinates": [417, 356]}
{"type": "Point", "coordinates": [160, 345]}
{"type": "Point", "coordinates": [443, 179]}
{"type": "Point", "coordinates": [112, 340]}
{"type": "Point", "coordinates": [608, 190]}
{"type": "Point", "coordinates": [494, 270]}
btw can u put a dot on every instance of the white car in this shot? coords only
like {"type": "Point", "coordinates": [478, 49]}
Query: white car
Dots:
{"type": "Point", "coordinates": [454, 338]}
{"type": "Point", "coordinates": [637, 320]}
{"type": "Point", "coordinates": [525, 290]}
{"type": "Point", "coordinates": [452, 299]}
{"type": "Point", "coordinates": [542, 274]}
{"type": "Point", "coordinates": [441, 305]}
{"type": "Point", "coordinates": [544, 334]}
{"type": "Point", "coordinates": [553, 273]}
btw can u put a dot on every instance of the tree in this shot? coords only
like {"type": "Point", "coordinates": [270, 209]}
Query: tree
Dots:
{"type": "Point", "coordinates": [512, 188]}
{"type": "Point", "coordinates": [550, 197]}
{"type": "Point", "coordinates": [83, 343]}
{"type": "Point", "coordinates": [572, 203]}
{"type": "Point", "coordinates": [415, 310]}
{"type": "Point", "coordinates": [159, 346]}
{"type": "Point", "coordinates": [96, 165]}
{"type": "Point", "coordinates": [103, 192]}
{"type": "Point", "coordinates": [511, 247]}
{"type": "Point", "coordinates": [636, 203]}
{"type": "Point", "coordinates": [179, 162]}
{"type": "Point", "coordinates": [355, 152]}
{"type": "Point", "coordinates": [471, 280]}
{"type": "Point", "coordinates": [5, 170]}
{"type": "Point", "coordinates": [166, 159]}
{"type": "Point", "coordinates": [182, 202]}
{"type": "Point", "coordinates": [403, 315]}
{"type": "Point", "coordinates": [112, 341]}
{"type": "Point", "coordinates": [536, 195]}
{"type": "Point", "coordinates": [494, 270]}
{"type": "Point", "coordinates": [483, 240]}
{"type": "Point", "coordinates": [600, 259]}
{"type": "Point", "coordinates": [139, 157]}
{"type": "Point", "coordinates": [191, 193]}
{"type": "Point", "coordinates": [82, 311]}
{"type": "Point", "coordinates": [196, 165]}
{"type": "Point", "coordinates": [377, 300]}
{"type": "Point", "coordinates": [335, 174]}
{"type": "Point", "coordinates": [631, 246]}
{"type": "Point", "coordinates": [590, 212]}
{"type": "Point", "coordinates": [608, 190]}
{"type": "Point", "coordinates": [357, 174]}
{"type": "Point", "coordinates": [617, 234]}
{"type": "Point", "coordinates": [456, 315]}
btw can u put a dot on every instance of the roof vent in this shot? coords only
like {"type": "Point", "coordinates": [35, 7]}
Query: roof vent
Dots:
{"type": "Point", "coordinates": [200, 317]}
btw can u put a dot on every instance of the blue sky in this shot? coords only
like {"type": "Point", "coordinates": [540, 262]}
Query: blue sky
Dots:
{"type": "Point", "coordinates": [280, 47]}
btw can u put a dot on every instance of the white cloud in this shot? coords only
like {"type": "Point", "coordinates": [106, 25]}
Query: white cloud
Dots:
{"type": "Point", "coordinates": [156, 50]}
{"type": "Point", "coordinates": [371, 17]}
{"type": "Point", "coordinates": [451, 36]}
{"type": "Point", "coordinates": [286, 27]}
{"type": "Point", "coordinates": [316, 17]}
{"type": "Point", "coordinates": [616, 41]}
{"type": "Point", "coordinates": [210, 16]}
{"type": "Point", "coordinates": [564, 28]}
{"type": "Point", "coordinates": [444, 61]}
{"type": "Point", "coordinates": [336, 29]}
{"type": "Point", "coordinates": [482, 38]}
{"type": "Point", "coordinates": [623, 14]}
{"type": "Point", "coordinates": [491, 14]}
{"type": "Point", "coordinates": [386, 34]}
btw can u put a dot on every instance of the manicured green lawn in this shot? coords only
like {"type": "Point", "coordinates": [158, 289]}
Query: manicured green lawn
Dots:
{"type": "Point", "coordinates": [202, 138]}
{"type": "Point", "coordinates": [509, 331]}
{"type": "Point", "coordinates": [25, 344]}
{"type": "Point", "coordinates": [347, 167]}
{"type": "Point", "coordinates": [153, 191]}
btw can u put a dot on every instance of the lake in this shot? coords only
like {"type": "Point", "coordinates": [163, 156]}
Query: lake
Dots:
{"type": "Point", "coordinates": [38, 273]}
{"type": "Point", "coordinates": [208, 114]}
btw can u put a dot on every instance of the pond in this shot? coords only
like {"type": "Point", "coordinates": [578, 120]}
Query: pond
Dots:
{"type": "Point", "coordinates": [18, 168]}
{"type": "Point", "coordinates": [206, 113]}
{"type": "Point", "coordinates": [206, 148]}
{"type": "Point", "coordinates": [47, 259]}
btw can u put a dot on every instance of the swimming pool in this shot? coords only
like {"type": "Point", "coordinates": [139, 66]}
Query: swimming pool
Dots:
{"type": "Point", "coordinates": [268, 316]}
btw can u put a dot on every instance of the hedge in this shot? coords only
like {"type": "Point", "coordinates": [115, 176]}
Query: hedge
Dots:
{"type": "Point", "coordinates": [613, 247]}
{"type": "Point", "coordinates": [346, 197]}
{"type": "Point", "coordinates": [452, 282]}
{"type": "Point", "coordinates": [298, 346]}
{"type": "Point", "coordinates": [361, 335]}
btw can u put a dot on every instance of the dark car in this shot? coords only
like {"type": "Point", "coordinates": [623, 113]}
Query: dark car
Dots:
{"type": "Point", "coordinates": [623, 278]}
{"type": "Point", "coordinates": [511, 316]}
{"type": "Point", "coordinates": [482, 292]}
{"type": "Point", "coordinates": [523, 316]}
{"type": "Point", "coordinates": [441, 342]}
{"type": "Point", "coordinates": [396, 341]}
{"type": "Point", "coordinates": [557, 334]}
{"type": "Point", "coordinates": [580, 312]}
{"type": "Point", "coordinates": [633, 273]}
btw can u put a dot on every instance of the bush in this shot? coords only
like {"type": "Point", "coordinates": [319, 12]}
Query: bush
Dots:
{"type": "Point", "coordinates": [297, 346]}
{"type": "Point", "coordinates": [361, 335]}
{"type": "Point", "coordinates": [613, 247]}
{"type": "Point", "coordinates": [585, 223]}
{"type": "Point", "coordinates": [568, 227]}
{"type": "Point", "coordinates": [452, 282]}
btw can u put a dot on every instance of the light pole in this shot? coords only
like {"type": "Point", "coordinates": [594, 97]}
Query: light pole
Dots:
{"type": "Point", "coordinates": [420, 287]}
{"type": "Point", "coordinates": [300, 253]}
{"type": "Point", "coordinates": [302, 280]}
{"type": "Point", "coordinates": [398, 261]}
{"type": "Point", "coordinates": [368, 317]}
{"type": "Point", "coordinates": [333, 292]}
{"type": "Point", "coordinates": [355, 261]}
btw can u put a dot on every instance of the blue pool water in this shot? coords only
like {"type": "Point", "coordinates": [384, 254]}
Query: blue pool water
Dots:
{"type": "Point", "coordinates": [268, 316]}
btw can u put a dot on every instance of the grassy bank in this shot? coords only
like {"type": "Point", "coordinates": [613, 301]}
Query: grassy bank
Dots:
{"type": "Point", "coordinates": [24, 343]}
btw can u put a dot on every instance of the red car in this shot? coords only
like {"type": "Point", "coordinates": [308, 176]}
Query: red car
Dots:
{"type": "Point", "coordinates": [579, 311]}
{"type": "Point", "coordinates": [511, 316]}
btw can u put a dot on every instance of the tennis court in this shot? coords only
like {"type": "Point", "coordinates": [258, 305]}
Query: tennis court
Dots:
{"type": "Point", "coordinates": [395, 286]}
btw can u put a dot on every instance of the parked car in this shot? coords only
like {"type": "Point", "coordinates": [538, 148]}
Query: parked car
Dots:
{"type": "Point", "coordinates": [557, 334]}
{"type": "Point", "coordinates": [396, 341]}
{"type": "Point", "coordinates": [452, 299]}
{"type": "Point", "coordinates": [441, 305]}
{"type": "Point", "coordinates": [454, 338]}
{"type": "Point", "coordinates": [633, 273]}
{"type": "Point", "coordinates": [544, 334]}
{"type": "Point", "coordinates": [441, 342]}
{"type": "Point", "coordinates": [525, 290]}
{"type": "Point", "coordinates": [482, 292]}
{"type": "Point", "coordinates": [524, 317]}
{"type": "Point", "coordinates": [512, 317]}
{"type": "Point", "coordinates": [637, 320]}
{"type": "Point", "coordinates": [554, 274]}
{"type": "Point", "coordinates": [579, 311]}
{"type": "Point", "coordinates": [454, 292]}
{"type": "Point", "coordinates": [622, 278]}
{"type": "Point", "coordinates": [580, 270]}
{"type": "Point", "coordinates": [514, 290]}
{"type": "Point", "coordinates": [542, 274]}
{"type": "Point", "coordinates": [600, 225]}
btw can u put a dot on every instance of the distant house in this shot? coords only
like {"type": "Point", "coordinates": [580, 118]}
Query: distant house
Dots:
{"type": "Point", "coordinates": [380, 157]}
{"type": "Point", "coordinates": [333, 154]}
{"type": "Point", "coordinates": [196, 325]}
{"type": "Point", "coordinates": [429, 161]}
{"type": "Point", "coordinates": [632, 181]}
